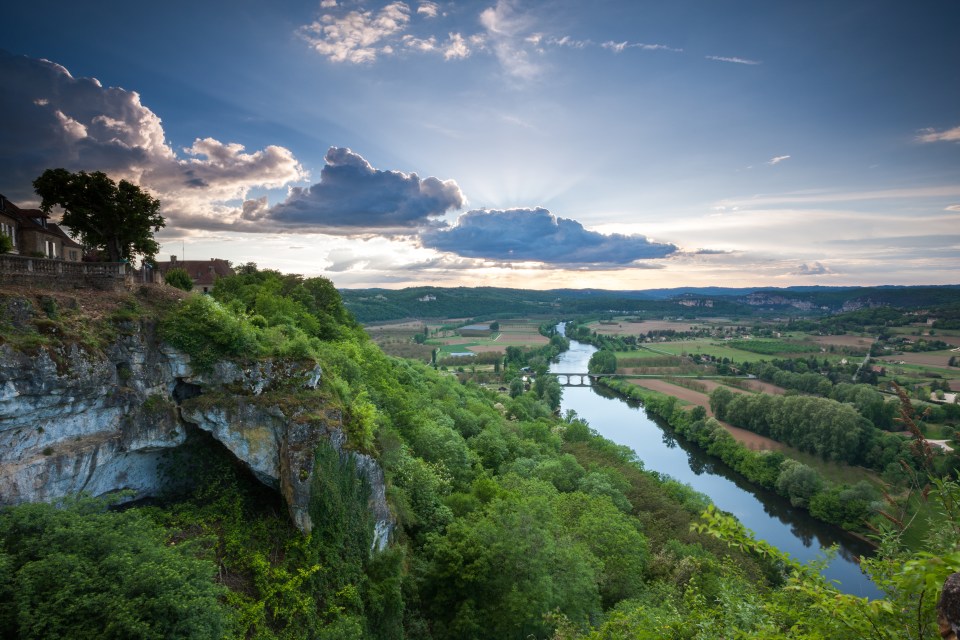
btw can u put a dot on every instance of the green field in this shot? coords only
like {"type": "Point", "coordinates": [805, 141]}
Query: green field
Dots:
{"type": "Point", "coordinates": [708, 347]}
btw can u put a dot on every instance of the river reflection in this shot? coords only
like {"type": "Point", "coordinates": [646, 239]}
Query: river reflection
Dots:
{"type": "Point", "coordinates": [769, 516]}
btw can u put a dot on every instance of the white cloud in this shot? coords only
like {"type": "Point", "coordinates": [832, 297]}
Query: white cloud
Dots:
{"type": "Point", "coordinates": [78, 124]}
{"type": "Point", "coordinates": [620, 47]}
{"type": "Point", "coordinates": [777, 160]}
{"type": "Point", "coordinates": [419, 44]}
{"type": "Point", "coordinates": [455, 47]}
{"type": "Point", "coordinates": [328, 4]}
{"type": "Point", "coordinates": [507, 32]}
{"type": "Point", "coordinates": [953, 207]}
{"type": "Point", "coordinates": [358, 36]}
{"type": "Point", "coordinates": [567, 41]}
{"type": "Point", "coordinates": [733, 60]}
{"type": "Point", "coordinates": [429, 9]}
{"type": "Point", "coordinates": [932, 135]}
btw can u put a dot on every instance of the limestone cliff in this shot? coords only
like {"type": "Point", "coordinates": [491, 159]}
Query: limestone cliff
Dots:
{"type": "Point", "coordinates": [75, 418]}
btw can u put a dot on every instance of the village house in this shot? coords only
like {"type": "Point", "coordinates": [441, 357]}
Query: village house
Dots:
{"type": "Point", "coordinates": [34, 235]}
{"type": "Point", "coordinates": [204, 273]}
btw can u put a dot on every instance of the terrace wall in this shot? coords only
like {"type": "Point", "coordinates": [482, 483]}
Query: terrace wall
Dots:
{"type": "Point", "coordinates": [48, 273]}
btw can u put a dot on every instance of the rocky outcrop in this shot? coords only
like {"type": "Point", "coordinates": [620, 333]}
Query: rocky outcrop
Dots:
{"type": "Point", "coordinates": [74, 419]}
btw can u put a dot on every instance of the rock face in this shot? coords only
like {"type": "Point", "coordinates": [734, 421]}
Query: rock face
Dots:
{"type": "Point", "coordinates": [72, 420]}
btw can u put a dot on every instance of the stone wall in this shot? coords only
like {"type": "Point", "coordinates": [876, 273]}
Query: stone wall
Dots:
{"type": "Point", "coordinates": [62, 275]}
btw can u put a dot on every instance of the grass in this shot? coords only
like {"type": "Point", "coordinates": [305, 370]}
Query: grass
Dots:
{"type": "Point", "coordinates": [711, 348]}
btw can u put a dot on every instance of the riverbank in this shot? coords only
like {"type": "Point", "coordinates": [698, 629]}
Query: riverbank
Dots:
{"type": "Point", "coordinates": [767, 515]}
{"type": "Point", "coordinates": [836, 504]}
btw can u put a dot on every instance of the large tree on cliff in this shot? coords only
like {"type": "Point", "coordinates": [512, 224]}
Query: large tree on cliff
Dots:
{"type": "Point", "coordinates": [119, 219]}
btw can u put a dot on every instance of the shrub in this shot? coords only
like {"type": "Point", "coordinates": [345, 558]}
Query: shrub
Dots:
{"type": "Point", "coordinates": [83, 572]}
{"type": "Point", "coordinates": [207, 332]}
{"type": "Point", "coordinates": [179, 278]}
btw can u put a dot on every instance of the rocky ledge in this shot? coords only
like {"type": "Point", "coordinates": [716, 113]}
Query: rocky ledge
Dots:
{"type": "Point", "coordinates": [80, 420]}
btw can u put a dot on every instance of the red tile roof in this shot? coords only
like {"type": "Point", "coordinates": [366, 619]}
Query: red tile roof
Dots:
{"type": "Point", "coordinates": [202, 272]}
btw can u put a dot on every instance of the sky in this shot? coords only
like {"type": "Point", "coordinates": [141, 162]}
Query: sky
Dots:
{"type": "Point", "coordinates": [534, 144]}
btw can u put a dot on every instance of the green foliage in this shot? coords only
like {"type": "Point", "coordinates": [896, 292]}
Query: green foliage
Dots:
{"type": "Point", "coordinates": [772, 347]}
{"type": "Point", "coordinates": [798, 482]}
{"type": "Point", "coordinates": [208, 331]}
{"type": "Point", "coordinates": [492, 572]}
{"type": "Point", "coordinates": [179, 278]}
{"type": "Point", "coordinates": [285, 585]}
{"type": "Point", "coordinates": [6, 243]}
{"type": "Point", "coordinates": [83, 572]}
{"type": "Point", "coordinates": [802, 485]}
{"type": "Point", "coordinates": [602, 361]}
{"type": "Point", "coordinates": [119, 219]}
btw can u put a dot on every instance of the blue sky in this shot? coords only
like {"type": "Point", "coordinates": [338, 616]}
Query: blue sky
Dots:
{"type": "Point", "coordinates": [534, 144]}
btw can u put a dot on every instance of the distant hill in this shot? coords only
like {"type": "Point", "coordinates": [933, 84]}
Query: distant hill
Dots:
{"type": "Point", "coordinates": [385, 305]}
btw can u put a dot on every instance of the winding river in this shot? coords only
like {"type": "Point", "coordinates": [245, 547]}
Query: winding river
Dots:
{"type": "Point", "coordinates": [769, 516]}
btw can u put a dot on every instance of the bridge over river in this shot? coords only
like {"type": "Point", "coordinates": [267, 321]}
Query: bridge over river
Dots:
{"type": "Point", "coordinates": [567, 379]}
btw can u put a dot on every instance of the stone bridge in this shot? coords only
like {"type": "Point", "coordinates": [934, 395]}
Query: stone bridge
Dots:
{"type": "Point", "coordinates": [581, 379]}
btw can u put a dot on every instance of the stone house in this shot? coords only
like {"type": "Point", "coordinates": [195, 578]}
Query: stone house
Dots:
{"type": "Point", "coordinates": [203, 273]}
{"type": "Point", "coordinates": [33, 234]}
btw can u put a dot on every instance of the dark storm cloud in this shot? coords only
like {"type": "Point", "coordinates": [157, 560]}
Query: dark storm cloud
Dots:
{"type": "Point", "coordinates": [55, 120]}
{"type": "Point", "coordinates": [50, 119]}
{"type": "Point", "coordinates": [536, 235]}
{"type": "Point", "coordinates": [353, 198]}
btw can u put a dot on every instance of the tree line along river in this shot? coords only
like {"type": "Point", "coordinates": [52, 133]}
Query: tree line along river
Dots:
{"type": "Point", "coordinates": [769, 516]}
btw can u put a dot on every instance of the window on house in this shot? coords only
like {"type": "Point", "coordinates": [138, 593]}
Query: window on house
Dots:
{"type": "Point", "coordinates": [7, 230]}
{"type": "Point", "coordinates": [50, 248]}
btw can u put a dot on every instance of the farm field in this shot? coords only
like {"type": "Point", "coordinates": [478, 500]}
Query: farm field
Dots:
{"type": "Point", "coordinates": [511, 334]}
{"type": "Point", "coordinates": [624, 328]}
{"type": "Point", "coordinates": [396, 339]}
{"type": "Point", "coordinates": [711, 348]}
{"type": "Point", "coordinates": [925, 358]}
{"type": "Point", "coordinates": [831, 470]}
{"type": "Point", "coordinates": [848, 340]}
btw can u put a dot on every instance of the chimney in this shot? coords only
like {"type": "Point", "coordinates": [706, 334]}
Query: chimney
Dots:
{"type": "Point", "coordinates": [173, 259]}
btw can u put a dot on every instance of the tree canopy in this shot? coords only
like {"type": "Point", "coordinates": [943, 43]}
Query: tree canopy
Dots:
{"type": "Point", "coordinates": [118, 219]}
{"type": "Point", "coordinates": [179, 278]}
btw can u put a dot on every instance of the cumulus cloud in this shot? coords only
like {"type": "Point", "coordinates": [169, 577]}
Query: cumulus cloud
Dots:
{"type": "Point", "coordinates": [777, 160]}
{"type": "Point", "coordinates": [932, 135]}
{"type": "Point", "coordinates": [455, 47]}
{"type": "Point", "coordinates": [359, 35]}
{"type": "Point", "coordinates": [78, 124]}
{"type": "Point", "coordinates": [507, 31]}
{"type": "Point", "coordinates": [733, 60]}
{"type": "Point", "coordinates": [353, 198]}
{"type": "Point", "coordinates": [812, 269]}
{"type": "Point", "coordinates": [536, 235]}
{"type": "Point", "coordinates": [429, 9]}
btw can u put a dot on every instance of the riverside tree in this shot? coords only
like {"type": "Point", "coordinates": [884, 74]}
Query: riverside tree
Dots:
{"type": "Point", "coordinates": [118, 219]}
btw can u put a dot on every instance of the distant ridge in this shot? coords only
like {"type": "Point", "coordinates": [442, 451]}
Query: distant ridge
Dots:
{"type": "Point", "coordinates": [385, 305]}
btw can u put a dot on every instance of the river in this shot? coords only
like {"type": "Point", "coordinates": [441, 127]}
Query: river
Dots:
{"type": "Point", "coordinates": [770, 517]}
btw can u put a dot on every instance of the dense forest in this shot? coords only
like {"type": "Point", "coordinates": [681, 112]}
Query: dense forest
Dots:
{"type": "Point", "coordinates": [512, 521]}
